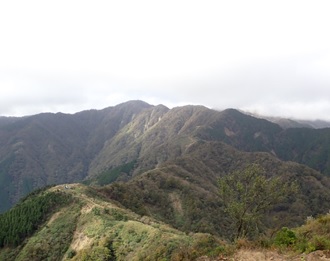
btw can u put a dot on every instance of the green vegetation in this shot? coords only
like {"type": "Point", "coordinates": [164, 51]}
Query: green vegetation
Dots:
{"type": "Point", "coordinates": [24, 219]}
{"type": "Point", "coordinates": [285, 237]}
{"type": "Point", "coordinates": [306, 146]}
{"type": "Point", "coordinates": [6, 181]}
{"type": "Point", "coordinates": [82, 225]}
{"type": "Point", "coordinates": [185, 193]}
{"type": "Point", "coordinates": [247, 195]}
{"type": "Point", "coordinates": [170, 199]}
{"type": "Point", "coordinates": [314, 235]}
{"type": "Point", "coordinates": [79, 223]}
{"type": "Point", "coordinates": [112, 175]}
{"type": "Point", "coordinates": [182, 154]}
{"type": "Point", "coordinates": [53, 240]}
{"type": "Point", "coordinates": [97, 253]}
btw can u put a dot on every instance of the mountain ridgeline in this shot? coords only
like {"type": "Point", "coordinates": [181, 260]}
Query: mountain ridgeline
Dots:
{"type": "Point", "coordinates": [63, 148]}
{"type": "Point", "coordinates": [145, 167]}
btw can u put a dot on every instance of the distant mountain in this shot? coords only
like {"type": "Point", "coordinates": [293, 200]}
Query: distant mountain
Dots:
{"type": "Point", "coordinates": [286, 123]}
{"type": "Point", "coordinates": [55, 148]}
{"type": "Point", "coordinates": [317, 124]}
{"type": "Point", "coordinates": [128, 140]}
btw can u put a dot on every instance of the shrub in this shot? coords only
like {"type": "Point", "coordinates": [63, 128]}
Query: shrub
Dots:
{"type": "Point", "coordinates": [285, 237]}
{"type": "Point", "coordinates": [320, 242]}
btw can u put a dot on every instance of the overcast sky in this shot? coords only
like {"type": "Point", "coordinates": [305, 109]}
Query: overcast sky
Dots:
{"type": "Point", "coordinates": [270, 57]}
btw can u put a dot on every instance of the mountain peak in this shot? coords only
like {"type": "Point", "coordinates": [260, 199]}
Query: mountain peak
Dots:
{"type": "Point", "coordinates": [134, 103]}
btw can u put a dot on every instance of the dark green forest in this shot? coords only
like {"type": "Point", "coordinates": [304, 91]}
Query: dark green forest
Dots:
{"type": "Point", "coordinates": [24, 219]}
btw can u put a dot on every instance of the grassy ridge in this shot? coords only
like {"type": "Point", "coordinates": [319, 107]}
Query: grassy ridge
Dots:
{"type": "Point", "coordinates": [52, 240]}
{"type": "Point", "coordinates": [78, 223]}
{"type": "Point", "coordinates": [87, 227]}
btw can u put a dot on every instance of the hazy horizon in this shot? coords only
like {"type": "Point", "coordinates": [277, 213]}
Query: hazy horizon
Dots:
{"type": "Point", "coordinates": [269, 58]}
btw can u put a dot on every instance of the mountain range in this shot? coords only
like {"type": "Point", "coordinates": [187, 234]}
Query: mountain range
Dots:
{"type": "Point", "coordinates": [64, 148]}
{"type": "Point", "coordinates": [160, 164]}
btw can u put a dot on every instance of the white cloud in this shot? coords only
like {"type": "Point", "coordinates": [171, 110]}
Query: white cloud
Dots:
{"type": "Point", "coordinates": [72, 55]}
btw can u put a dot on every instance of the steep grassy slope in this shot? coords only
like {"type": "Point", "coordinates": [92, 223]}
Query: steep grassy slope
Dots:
{"type": "Point", "coordinates": [128, 142]}
{"type": "Point", "coordinates": [92, 228]}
